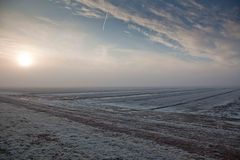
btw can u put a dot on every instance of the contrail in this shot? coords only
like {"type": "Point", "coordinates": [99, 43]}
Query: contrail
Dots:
{"type": "Point", "coordinates": [105, 20]}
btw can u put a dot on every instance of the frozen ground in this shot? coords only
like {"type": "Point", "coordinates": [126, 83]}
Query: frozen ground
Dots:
{"type": "Point", "coordinates": [143, 123]}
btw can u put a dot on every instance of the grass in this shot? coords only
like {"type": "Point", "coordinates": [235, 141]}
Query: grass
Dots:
{"type": "Point", "coordinates": [3, 151]}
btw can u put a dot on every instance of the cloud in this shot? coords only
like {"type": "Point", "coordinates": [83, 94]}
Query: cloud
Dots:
{"type": "Point", "coordinates": [188, 26]}
{"type": "Point", "coordinates": [43, 37]}
{"type": "Point", "coordinates": [66, 53]}
{"type": "Point", "coordinates": [46, 20]}
{"type": "Point", "coordinates": [81, 9]}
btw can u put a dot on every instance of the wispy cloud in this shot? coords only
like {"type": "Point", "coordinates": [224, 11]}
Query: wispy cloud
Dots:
{"type": "Point", "coordinates": [104, 23]}
{"type": "Point", "coordinates": [188, 26]}
{"type": "Point", "coordinates": [47, 20]}
{"type": "Point", "coordinates": [78, 8]}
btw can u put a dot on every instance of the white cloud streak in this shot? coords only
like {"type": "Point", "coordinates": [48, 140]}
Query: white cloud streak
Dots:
{"type": "Point", "coordinates": [104, 23]}
{"type": "Point", "coordinates": [190, 28]}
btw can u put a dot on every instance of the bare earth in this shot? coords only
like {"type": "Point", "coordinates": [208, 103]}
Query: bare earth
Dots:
{"type": "Point", "coordinates": [31, 129]}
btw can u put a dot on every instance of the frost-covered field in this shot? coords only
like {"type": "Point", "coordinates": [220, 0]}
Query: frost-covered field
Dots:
{"type": "Point", "coordinates": [127, 123]}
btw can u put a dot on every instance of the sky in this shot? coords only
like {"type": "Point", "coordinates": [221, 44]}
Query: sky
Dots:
{"type": "Point", "coordinates": [120, 43]}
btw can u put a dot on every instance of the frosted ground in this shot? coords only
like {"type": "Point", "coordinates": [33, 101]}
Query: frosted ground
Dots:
{"type": "Point", "coordinates": [123, 123]}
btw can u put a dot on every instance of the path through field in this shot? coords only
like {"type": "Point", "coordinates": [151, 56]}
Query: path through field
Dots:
{"type": "Point", "coordinates": [121, 124]}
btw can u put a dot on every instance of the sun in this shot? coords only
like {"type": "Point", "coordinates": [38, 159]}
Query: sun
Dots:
{"type": "Point", "coordinates": [25, 60]}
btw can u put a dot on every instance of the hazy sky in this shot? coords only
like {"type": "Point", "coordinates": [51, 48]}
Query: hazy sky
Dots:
{"type": "Point", "coordinates": [88, 43]}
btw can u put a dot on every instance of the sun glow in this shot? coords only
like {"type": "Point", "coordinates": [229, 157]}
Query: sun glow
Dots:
{"type": "Point", "coordinates": [24, 60]}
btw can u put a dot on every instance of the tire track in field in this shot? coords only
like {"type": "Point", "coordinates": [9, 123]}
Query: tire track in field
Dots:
{"type": "Point", "coordinates": [194, 100]}
{"type": "Point", "coordinates": [219, 151]}
{"type": "Point", "coordinates": [151, 96]}
{"type": "Point", "coordinates": [127, 94]}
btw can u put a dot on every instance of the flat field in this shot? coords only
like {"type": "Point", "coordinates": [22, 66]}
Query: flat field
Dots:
{"type": "Point", "coordinates": [120, 123]}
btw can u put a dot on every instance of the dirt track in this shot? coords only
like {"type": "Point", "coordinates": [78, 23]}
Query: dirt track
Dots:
{"type": "Point", "coordinates": [197, 134]}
